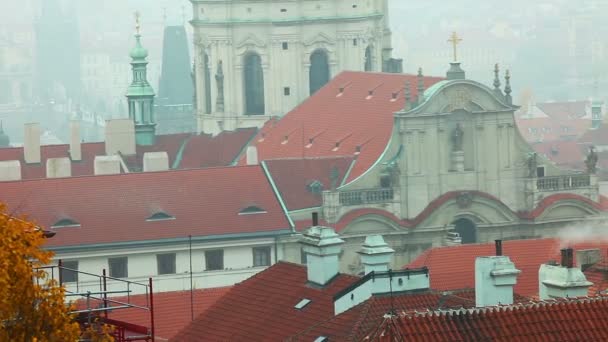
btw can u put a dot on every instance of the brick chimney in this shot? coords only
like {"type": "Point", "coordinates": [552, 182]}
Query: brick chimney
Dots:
{"type": "Point", "coordinates": [376, 255]}
{"type": "Point", "coordinates": [562, 281]}
{"type": "Point", "coordinates": [495, 277]}
{"type": "Point", "coordinates": [322, 247]}
{"type": "Point", "coordinates": [75, 148]}
{"type": "Point", "coordinates": [31, 143]}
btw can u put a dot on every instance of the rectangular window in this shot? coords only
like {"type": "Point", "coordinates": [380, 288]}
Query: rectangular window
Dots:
{"type": "Point", "coordinates": [285, 46]}
{"type": "Point", "coordinates": [166, 263]}
{"type": "Point", "coordinates": [214, 260]}
{"type": "Point", "coordinates": [118, 267]}
{"type": "Point", "coordinates": [261, 256]}
{"type": "Point", "coordinates": [69, 272]}
{"type": "Point", "coordinates": [286, 91]}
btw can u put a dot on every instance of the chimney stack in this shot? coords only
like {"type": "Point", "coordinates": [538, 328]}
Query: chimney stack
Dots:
{"type": "Point", "coordinates": [75, 148]}
{"type": "Point", "coordinates": [495, 277]}
{"type": "Point", "coordinates": [107, 165]}
{"type": "Point", "coordinates": [58, 167]}
{"type": "Point", "coordinates": [252, 155]}
{"type": "Point", "coordinates": [120, 137]}
{"type": "Point", "coordinates": [498, 244]}
{"type": "Point", "coordinates": [10, 170]}
{"type": "Point", "coordinates": [322, 247]}
{"type": "Point", "coordinates": [376, 255]}
{"type": "Point", "coordinates": [562, 281]}
{"type": "Point", "coordinates": [31, 143]}
{"type": "Point", "coordinates": [156, 161]}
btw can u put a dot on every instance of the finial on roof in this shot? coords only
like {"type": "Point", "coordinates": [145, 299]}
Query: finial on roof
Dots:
{"type": "Point", "coordinates": [455, 40]}
{"type": "Point", "coordinates": [508, 97]}
{"type": "Point", "coordinates": [137, 23]}
{"type": "Point", "coordinates": [420, 86]}
{"type": "Point", "coordinates": [497, 89]}
{"type": "Point", "coordinates": [408, 95]}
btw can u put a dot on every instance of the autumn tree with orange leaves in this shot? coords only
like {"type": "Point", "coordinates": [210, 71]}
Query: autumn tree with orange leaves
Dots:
{"type": "Point", "coordinates": [32, 306]}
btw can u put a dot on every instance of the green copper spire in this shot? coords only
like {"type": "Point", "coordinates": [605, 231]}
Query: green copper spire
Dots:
{"type": "Point", "coordinates": [140, 94]}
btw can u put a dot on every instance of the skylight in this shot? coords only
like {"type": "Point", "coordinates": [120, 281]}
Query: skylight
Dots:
{"type": "Point", "coordinates": [252, 209]}
{"type": "Point", "coordinates": [160, 216]}
{"type": "Point", "coordinates": [301, 304]}
{"type": "Point", "coordinates": [65, 223]}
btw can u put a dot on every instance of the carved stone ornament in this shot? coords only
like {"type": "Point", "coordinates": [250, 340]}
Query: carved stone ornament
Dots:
{"type": "Point", "coordinates": [464, 200]}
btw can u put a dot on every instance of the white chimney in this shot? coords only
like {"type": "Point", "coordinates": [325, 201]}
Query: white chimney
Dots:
{"type": "Point", "coordinates": [31, 143]}
{"type": "Point", "coordinates": [156, 161]}
{"type": "Point", "coordinates": [376, 255]}
{"type": "Point", "coordinates": [107, 165]}
{"type": "Point", "coordinates": [495, 277]}
{"type": "Point", "coordinates": [10, 170]}
{"type": "Point", "coordinates": [75, 148]}
{"type": "Point", "coordinates": [120, 137]}
{"type": "Point", "coordinates": [252, 155]}
{"type": "Point", "coordinates": [322, 247]}
{"type": "Point", "coordinates": [58, 167]}
{"type": "Point", "coordinates": [562, 281]}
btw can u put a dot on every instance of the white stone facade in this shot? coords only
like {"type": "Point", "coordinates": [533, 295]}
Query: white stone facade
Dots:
{"type": "Point", "coordinates": [284, 34]}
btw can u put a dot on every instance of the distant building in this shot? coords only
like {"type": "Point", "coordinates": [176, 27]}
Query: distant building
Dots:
{"type": "Point", "coordinates": [175, 101]}
{"type": "Point", "coordinates": [259, 60]}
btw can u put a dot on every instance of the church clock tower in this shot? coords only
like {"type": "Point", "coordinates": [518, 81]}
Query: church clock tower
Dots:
{"type": "Point", "coordinates": [140, 94]}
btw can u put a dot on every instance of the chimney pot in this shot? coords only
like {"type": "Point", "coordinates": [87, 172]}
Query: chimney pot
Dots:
{"type": "Point", "coordinates": [567, 259]}
{"type": "Point", "coordinates": [498, 247]}
{"type": "Point", "coordinates": [315, 219]}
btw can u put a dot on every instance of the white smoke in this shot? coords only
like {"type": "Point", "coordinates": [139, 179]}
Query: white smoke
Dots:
{"type": "Point", "coordinates": [584, 231]}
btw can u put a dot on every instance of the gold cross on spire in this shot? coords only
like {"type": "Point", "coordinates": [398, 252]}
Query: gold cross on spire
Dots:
{"type": "Point", "coordinates": [137, 24]}
{"type": "Point", "coordinates": [455, 40]}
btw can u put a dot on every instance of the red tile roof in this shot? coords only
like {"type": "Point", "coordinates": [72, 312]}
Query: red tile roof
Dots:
{"type": "Point", "coordinates": [563, 320]}
{"type": "Point", "coordinates": [115, 208]}
{"type": "Point", "coordinates": [565, 154]}
{"type": "Point", "coordinates": [331, 123]}
{"type": "Point", "coordinates": [566, 110]}
{"type": "Point", "coordinates": [194, 151]}
{"type": "Point", "coordinates": [454, 267]}
{"type": "Point", "coordinates": [171, 309]}
{"type": "Point", "coordinates": [294, 176]}
{"type": "Point", "coordinates": [261, 308]}
{"type": "Point", "coordinates": [548, 129]}
{"type": "Point", "coordinates": [597, 137]}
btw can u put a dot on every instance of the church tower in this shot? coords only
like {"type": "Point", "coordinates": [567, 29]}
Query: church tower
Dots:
{"type": "Point", "coordinates": [140, 95]}
{"type": "Point", "coordinates": [260, 59]}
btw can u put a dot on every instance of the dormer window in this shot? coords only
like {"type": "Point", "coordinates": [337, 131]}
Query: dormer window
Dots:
{"type": "Point", "coordinates": [65, 223]}
{"type": "Point", "coordinates": [160, 216]}
{"type": "Point", "coordinates": [250, 210]}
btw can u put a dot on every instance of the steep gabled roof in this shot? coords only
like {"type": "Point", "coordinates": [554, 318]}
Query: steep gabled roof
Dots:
{"type": "Point", "coordinates": [113, 209]}
{"type": "Point", "coordinates": [295, 178]}
{"type": "Point", "coordinates": [454, 267]}
{"type": "Point", "coordinates": [352, 115]}
{"type": "Point", "coordinates": [262, 308]}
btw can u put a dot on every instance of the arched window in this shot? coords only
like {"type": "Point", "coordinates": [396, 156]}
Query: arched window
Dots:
{"type": "Point", "coordinates": [467, 230]}
{"type": "Point", "coordinates": [368, 59]}
{"type": "Point", "coordinates": [319, 70]}
{"type": "Point", "coordinates": [254, 85]}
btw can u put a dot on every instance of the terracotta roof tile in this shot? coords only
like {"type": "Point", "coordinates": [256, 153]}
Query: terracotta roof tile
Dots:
{"type": "Point", "coordinates": [564, 320]}
{"type": "Point", "coordinates": [293, 178]}
{"type": "Point", "coordinates": [454, 267]}
{"type": "Point", "coordinates": [221, 150]}
{"type": "Point", "coordinates": [261, 308]}
{"type": "Point", "coordinates": [115, 208]}
{"type": "Point", "coordinates": [333, 123]}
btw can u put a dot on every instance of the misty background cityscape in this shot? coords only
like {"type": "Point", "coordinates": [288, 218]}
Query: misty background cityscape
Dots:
{"type": "Point", "coordinates": [61, 56]}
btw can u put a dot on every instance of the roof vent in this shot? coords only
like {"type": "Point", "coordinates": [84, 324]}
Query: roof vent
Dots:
{"type": "Point", "coordinates": [252, 210]}
{"type": "Point", "coordinates": [262, 137]}
{"type": "Point", "coordinates": [285, 140]}
{"type": "Point", "coordinates": [302, 304]}
{"type": "Point", "coordinates": [322, 339]}
{"type": "Point", "coordinates": [310, 141]}
{"type": "Point", "coordinates": [358, 150]}
{"type": "Point", "coordinates": [336, 147]}
{"type": "Point", "coordinates": [65, 223]}
{"type": "Point", "coordinates": [160, 216]}
{"type": "Point", "coordinates": [340, 92]}
{"type": "Point", "coordinates": [370, 94]}
{"type": "Point", "coordinates": [394, 97]}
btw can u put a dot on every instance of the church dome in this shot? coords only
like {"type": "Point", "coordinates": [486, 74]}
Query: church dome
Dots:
{"type": "Point", "coordinates": [138, 52]}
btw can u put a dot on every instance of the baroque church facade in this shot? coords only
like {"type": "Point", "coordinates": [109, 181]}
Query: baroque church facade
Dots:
{"type": "Point", "coordinates": [456, 170]}
{"type": "Point", "coordinates": [260, 59]}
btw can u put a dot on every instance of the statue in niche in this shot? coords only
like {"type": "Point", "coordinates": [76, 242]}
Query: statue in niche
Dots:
{"type": "Point", "coordinates": [457, 138]}
{"type": "Point", "coordinates": [591, 161]}
{"type": "Point", "coordinates": [532, 164]}
{"type": "Point", "coordinates": [219, 81]}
